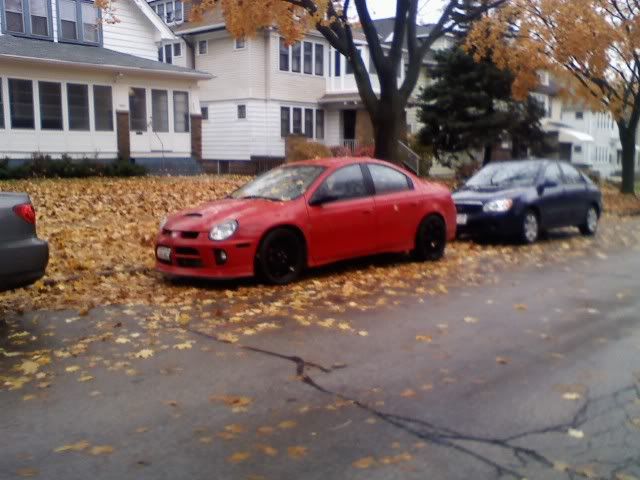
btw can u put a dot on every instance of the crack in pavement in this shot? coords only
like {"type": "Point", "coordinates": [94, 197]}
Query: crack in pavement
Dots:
{"type": "Point", "coordinates": [448, 438]}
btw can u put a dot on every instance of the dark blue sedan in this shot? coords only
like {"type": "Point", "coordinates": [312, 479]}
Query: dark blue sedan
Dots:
{"type": "Point", "coordinates": [523, 198]}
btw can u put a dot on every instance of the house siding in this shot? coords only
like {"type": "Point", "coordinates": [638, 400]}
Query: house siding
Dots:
{"type": "Point", "coordinates": [133, 33]}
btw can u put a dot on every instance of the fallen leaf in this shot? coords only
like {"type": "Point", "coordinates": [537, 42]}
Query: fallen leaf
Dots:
{"type": "Point", "coordinates": [363, 333]}
{"type": "Point", "coordinates": [235, 428]}
{"type": "Point", "coordinates": [29, 367]}
{"type": "Point", "coordinates": [122, 340]}
{"type": "Point", "coordinates": [297, 452]}
{"type": "Point", "coordinates": [182, 346]}
{"type": "Point", "coordinates": [267, 450]}
{"type": "Point", "coordinates": [73, 447]}
{"type": "Point", "coordinates": [85, 378]}
{"type": "Point", "coordinates": [408, 393]}
{"type": "Point", "coordinates": [502, 360]}
{"type": "Point", "coordinates": [366, 462]}
{"type": "Point", "coordinates": [266, 430]}
{"type": "Point", "coordinates": [144, 353]}
{"type": "Point", "coordinates": [572, 396]}
{"type": "Point", "coordinates": [27, 472]}
{"type": "Point", "coordinates": [470, 320]}
{"type": "Point", "coordinates": [287, 424]}
{"type": "Point", "coordinates": [239, 457]}
{"type": "Point", "coordinates": [101, 450]}
{"type": "Point", "coordinates": [424, 338]}
{"type": "Point", "coordinates": [579, 434]}
{"type": "Point", "coordinates": [72, 368]}
{"type": "Point", "coordinates": [521, 306]}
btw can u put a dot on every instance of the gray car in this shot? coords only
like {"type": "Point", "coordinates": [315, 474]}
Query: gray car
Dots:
{"type": "Point", "coordinates": [23, 256]}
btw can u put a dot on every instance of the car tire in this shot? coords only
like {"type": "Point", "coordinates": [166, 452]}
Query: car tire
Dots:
{"type": "Point", "coordinates": [590, 225]}
{"type": "Point", "coordinates": [281, 257]}
{"type": "Point", "coordinates": [530, 230]}
{"type": "Point", "coordinates": [431, 239]}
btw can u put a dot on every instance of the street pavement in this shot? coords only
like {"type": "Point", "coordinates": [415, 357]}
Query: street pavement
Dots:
{"type": "Point", "coordinates": [535, 376]}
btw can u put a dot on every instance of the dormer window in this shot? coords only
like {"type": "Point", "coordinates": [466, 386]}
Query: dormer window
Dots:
{"type": "Point", "coordinates": [78, 22]}
{"type": "Point", "coordinates": [28, 17]}
{"type": "Point", "coordinates": [170, 12]}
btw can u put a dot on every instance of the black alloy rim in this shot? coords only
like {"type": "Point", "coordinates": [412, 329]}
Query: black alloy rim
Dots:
{"type": "Point", "coordinates": [434, 236]}
{"type": "Point", "coordinates": [282, 258]}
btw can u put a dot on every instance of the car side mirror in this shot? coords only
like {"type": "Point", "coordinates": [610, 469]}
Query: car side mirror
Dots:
{"type": "Point", "coordinates": [547, 184]}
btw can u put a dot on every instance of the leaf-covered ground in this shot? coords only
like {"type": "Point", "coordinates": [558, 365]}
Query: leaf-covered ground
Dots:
{"type": "Point", "coordinates": [101, 234]}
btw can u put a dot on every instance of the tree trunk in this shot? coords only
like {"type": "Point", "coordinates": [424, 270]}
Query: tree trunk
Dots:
{"type": "Point", "coordinates": [628, 140]}
{"type": "Point", "coordinates": [389, 129]}
{"type": "Point", "coordinates": [488, 151]}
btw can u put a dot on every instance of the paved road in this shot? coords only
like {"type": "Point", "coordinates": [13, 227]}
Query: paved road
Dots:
{"type": "Point", "coordinates": [537, 377]}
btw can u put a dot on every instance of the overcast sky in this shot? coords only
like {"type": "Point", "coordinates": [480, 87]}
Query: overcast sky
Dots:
{"type": "Point", "coordinates": [430, 10]}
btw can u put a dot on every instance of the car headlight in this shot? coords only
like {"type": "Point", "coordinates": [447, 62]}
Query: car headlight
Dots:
{"type": "Point", "coordinates": [498, 206]}
{"type": "Point", "coordinates": [224, 230]}
{"type": "Point", "coordinates": [163, 222]}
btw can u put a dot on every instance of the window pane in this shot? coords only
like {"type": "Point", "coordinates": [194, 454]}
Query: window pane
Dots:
{"type": "Point", "coordinates": [308, 57]}
{"type": "Point", "coordinates": [168, 54]}
{"type": "Point", "coordinates": [336, 70]}
{"type": "Point", "coordinates": [242, 111]}
{"type": "Point", "coordinates": [387, 179]}
{"type": "Point", "coordinates": [13, 11]}
{"type": "Point", "coordinates": [240, 43]}
{"type": "Point", "coordinates": [1, 106]}
{"type": "Point", "coordinates": [202, 47]}
{"type": "Point", "coordinates": [308, 123]}
{"type": "Point", "coordinates": [205, 113]}
{"type": "Point", "coordinates": [552, 174]}
{"type": "Point", "coordinates": [138, 109]}
{"type": "Point", "coordinates": [284, 55]}
{"type": "Point", "coordinates": [21, 103]}
{"type": "Point", "coordinates": [50, 105]}
{"type": "Point", "coordinates": [160, 110]}
{"type": "Point", "coordinates": [319, 59]}
{"type": "Point", "coordinates": [169, 10]}
{"type": "Point", "coordinates": [103, 108]}
{"type": "Point", "coordinates": [161, 11]}
{"type": "Point", "coordinates": [320, 124]}
{"type": "Point", "coordinates": [78, 101]}
{"type": "Point", "coordinates": [161, 54]}
{"type": "Point", "coordinates": [571, 175]}
{"type": "Point", "coordinates": [39, 17]}
{"type": "Point", "coordinates": [178, 13]}
{"type": "Point", "coordinates": [181, 112]}
{"type": "Point", "coordinates": [346, 183]}
{"type": "Point", "coordinates": [177, 49]}
{"type": "Point", "coordinates": [297, 121]}
{"type": "Point", "coordinates": [90, 23]}
{"type": "Point", "coordinates": [68, 20]}
{"type": "Point", "coordinates": [285, 121]}
{"type": "Point", "coordinates": [296, 57]}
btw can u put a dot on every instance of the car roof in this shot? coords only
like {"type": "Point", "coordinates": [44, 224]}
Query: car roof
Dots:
{"type": "Point", "coordinates": [339, 161]}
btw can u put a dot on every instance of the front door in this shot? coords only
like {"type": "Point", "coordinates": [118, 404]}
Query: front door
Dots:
{"type": "Point", "coordinates": [552, 201]}
{"type": "Point", "coordinates": [349, 124]}
{"type": "Point", "coordinates": [343, 225]}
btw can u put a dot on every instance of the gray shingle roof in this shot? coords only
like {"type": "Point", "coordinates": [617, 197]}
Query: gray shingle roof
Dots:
{"type": "Point", "coordinates": [385, 26]}
{"type": "Point", "coordinates": [26, 48]}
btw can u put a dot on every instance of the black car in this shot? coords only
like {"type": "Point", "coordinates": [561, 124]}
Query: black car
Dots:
{"type": "Point", "coordinates": [523, 198]}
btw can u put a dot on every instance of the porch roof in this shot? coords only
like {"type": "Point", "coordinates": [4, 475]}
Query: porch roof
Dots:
{"type": "Point", "coordinates": [67, 54]}
{"type": "Point", "coordinates": [567, 134]}
{"type": "Point", "coordinates": [341, 99]}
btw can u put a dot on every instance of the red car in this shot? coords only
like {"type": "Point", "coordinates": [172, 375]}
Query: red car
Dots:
{"type": "Point", "coordinates": [308, 214]}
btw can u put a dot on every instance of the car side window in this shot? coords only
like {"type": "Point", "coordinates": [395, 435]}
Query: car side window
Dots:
{"type": "Point", "coordinates": [571, 175]}
{"type": "Point", "coordinates": [387, 180]}
{"type": "Point", "coordinates": [552, 174]}
{"type": "Point", "coordinates": [344, 184]}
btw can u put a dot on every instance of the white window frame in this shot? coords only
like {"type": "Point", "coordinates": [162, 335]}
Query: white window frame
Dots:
{"type": "Point", "coordinates": [304, 108]}
{"type": "Point", "coordinates": [313, 59]}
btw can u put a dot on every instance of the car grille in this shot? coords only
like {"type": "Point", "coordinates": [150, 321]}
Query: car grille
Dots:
{"type": "Point", "coordinates": [468, 208]}
{"type": "Point", "coordinates": [186, 235]}
{"type": "Point", "coordinates": [187, 257]}
{"type": "Point", "coordinates": [189, 262]}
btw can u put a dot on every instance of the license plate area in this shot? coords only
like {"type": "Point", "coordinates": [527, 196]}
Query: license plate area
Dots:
{"type": "Point", "coordinates": [462, 218]}
{"type": "Point", "coordinates": [164, 254]}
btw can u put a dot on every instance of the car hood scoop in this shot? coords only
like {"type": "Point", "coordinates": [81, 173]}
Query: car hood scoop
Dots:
{"type": "Point", "coordinates": [204, 217]}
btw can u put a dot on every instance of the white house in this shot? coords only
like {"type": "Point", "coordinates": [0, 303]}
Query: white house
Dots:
{"type": "Point", "coordinates": [73, 84]}
{"type": "Point", "coordinates": [264, 89]}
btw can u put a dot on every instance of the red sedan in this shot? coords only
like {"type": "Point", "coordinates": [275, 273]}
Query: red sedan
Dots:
{"type": "Point", "coordinates": [308, 214]}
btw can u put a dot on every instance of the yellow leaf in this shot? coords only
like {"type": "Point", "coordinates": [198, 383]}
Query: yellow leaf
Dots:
{"type": "Point", "coordinates": [101, 450]}
{"type": "Point", "coordinates": [235, 428]}
{"type": "Point", "coordinates": [239, 457]}
{"type": "Point", "coordinates": [572, 396]}
{"type": "Point", "coordinates": [267, 450]}
{"type": "Point", "coordinates": [366, 462]}
{"type": "Point", "coordinates": [363, 333]}
{"type": "Point", "coordinates": [520, 306]}
{"type": "Point", "coordinates": [27, 472]}
{"type": "Point", "coordinates": [122, 340]}
{"type": "Point", "coordinates": [266, 430]}
{"type": "Point", "coordinates": [29, 367]}
{"type": "Point", "coordinates": [297, 452]}
{"type": "Point", "coordinates": [72, 368]}
{"type": "Point", "coordinates": [85, 378]}
{"type": "Point", "coordinates": [144, 353]}
{"type": "Point", "coordinates": [73, 447]}
{"type": "Point", "coordinates": [408, 393]}
{"type": "Point", "coordinates": [579, 434]}
{"type": "Point", "coordinates": [424, 338]}
{"type": "Point", "coordinates": [502, 360]}
{"type": "Point", "coordinates": [182, 346]}
{"type": "Point", "coordinates": [470, 320]}
{"type": "Point", "coordinates": [287, 424]}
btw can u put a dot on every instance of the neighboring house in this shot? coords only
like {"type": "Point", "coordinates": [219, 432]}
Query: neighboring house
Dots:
{"type": "Point", "coordinates": [73, 84]}
{"type": "Point", "coordinates": [266, 90]}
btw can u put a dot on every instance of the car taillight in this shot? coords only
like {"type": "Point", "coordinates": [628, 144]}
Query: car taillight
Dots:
{"type": "Point", "coordinates": [26, 212]}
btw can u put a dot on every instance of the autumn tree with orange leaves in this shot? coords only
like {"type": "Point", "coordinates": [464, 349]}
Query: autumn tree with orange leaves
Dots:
{"type": "Point", "coordinates": [338, 24]}
{"type": "Point", "coordinates": [591, 46]}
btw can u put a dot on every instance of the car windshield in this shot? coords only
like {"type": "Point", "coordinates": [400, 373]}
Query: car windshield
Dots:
{"type": "Point", "coordinates": [280, 184]}
{"type": "Point", "coordinates": [505, 174]}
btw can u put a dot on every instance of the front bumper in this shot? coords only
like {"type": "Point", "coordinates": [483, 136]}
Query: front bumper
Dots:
{"type": "Point", "coordinates": [202, 258]}
{"type": "Point", "coordinates": [22, 262]}
{"type": "Point", "coordinates": [485, 224]}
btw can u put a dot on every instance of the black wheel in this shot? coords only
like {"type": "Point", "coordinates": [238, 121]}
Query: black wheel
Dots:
{"type": "Point", "coordinates": [281, 257]}
{"type": "Point", "coordinates": [530, 227]}
{"type": "Point", "coordinates": [431, 239]}
{"type": "Point", "coordinates": [590, 225]}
